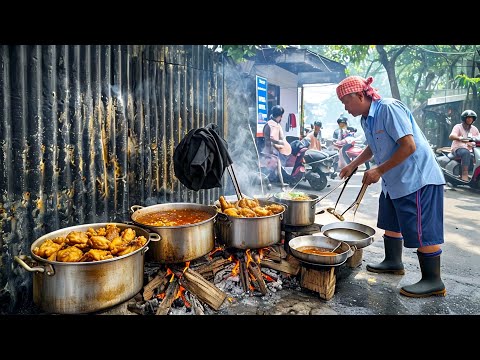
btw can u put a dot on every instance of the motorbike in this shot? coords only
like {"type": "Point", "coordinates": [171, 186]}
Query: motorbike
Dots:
{"type": "Point", "coordinates": [452, 169]}
{"type": "Point", "coordinates": [303, 164]}
{"type": "Point", "coordinates": [355, 150]}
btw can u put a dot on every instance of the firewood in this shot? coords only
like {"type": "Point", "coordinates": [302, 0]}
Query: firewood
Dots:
{"type": "Point", "coordinates": [244, 278]}
{"type": "Point", "coordinates": [280, 250]}
{"type": "Point", "coordinates": [169, 298]}
{"type": "Point", "coordinates": [273, 256]}
{"type": "Point", "coordinates": [148, 290]}
{"type": "Point", "coordinates": [209, 270]}
{"type": "Point", "coordinates": [196, 304]}
{"type": "Point", "coordinates": [203, 289]}
{"type": "Point", "coordinates": [287, 266]}
{"type": "Point", "coordinates": [257, 273]}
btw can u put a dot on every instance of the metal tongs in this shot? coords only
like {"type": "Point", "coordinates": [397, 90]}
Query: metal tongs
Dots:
{"type": "Point", "coordinates": [333, 210]}
{"type": "Point", "coordinates": [357, 201]}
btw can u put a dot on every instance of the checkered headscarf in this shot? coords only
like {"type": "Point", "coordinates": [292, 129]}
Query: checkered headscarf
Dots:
{"type": "Point", "coordinates": [353, 84]}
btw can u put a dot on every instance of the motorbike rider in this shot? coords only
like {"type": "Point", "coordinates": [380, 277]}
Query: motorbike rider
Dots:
{"type": "Point", "coordinates": [342, 131]}
{"type": "Point", "coordinates": [461, 135]}
{"type": "Point", "coordinates": [314, 137]}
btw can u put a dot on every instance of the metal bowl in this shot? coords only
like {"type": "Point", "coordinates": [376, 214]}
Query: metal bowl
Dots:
{"type": "Point", "coordinates": [343, 252]}
{"type": "Point", "coordinates": [350, 232]}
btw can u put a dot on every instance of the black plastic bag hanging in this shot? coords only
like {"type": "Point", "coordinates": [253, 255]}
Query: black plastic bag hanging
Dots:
{"type": "Point", "coordinates": [200, 158]}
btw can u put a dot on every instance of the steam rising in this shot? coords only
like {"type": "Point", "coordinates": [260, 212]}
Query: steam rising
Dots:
{"type": "Point", "coordinates": [241, 142]}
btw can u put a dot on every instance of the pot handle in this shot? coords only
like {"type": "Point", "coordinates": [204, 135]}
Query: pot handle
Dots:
{"type": "Point", "coordinates": [21, 260]}
{"type": "Point", "coordinates": [144, 250]}
{"type": "Point", "coordinates": [154, 237]}
{"type": "Point", "coordinates": [134, 208]}
{"type": "Point", "coordinates": [223, 218]}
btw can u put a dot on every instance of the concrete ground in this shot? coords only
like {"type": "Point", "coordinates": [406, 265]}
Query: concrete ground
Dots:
{"type": "Point", "coordinates": [359, 292]}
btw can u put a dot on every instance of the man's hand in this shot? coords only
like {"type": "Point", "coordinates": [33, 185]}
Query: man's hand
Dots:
{"type": "Point", "coordinates": [346, 171]}
{"type": "Point", "coordinates": [371, 176]}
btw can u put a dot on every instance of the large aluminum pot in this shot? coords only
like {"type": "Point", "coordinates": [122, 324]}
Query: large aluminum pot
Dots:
{"type": "Point", "coordinates": [84, 287]}
{"type": "Point", "coordinates": [344, 251]}
{"type": "Point", "coordinates": [249, 233]}
{"type": "Point", "coordinates": [299, 212]}
{"type": "Point", "coordinates": [352, 233]}
{"type": "Point", "coordinates": [179, 243]}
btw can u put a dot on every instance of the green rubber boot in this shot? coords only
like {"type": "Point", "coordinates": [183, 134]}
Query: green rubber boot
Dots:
{"type": "Point", "coordinates": [392, 263]}
{"type": "Point", "coordinates": [430, 284]}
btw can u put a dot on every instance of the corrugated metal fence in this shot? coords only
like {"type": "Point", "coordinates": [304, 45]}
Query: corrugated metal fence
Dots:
{"type": "Point", "coordinates": [88, 131]}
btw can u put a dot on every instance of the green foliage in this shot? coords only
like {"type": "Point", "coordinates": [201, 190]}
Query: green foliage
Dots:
{"type": "Point", "coordinates": [467, 82]}
{"type": "Point", "coordinates": [240, 53]}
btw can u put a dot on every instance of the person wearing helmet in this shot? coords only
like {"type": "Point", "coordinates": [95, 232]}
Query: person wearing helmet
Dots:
{"type": "Point", "coordinates": [342, 131]}
{"type": "Point", "coordinates": [462, 144]}
{"type": "Point", "coordinates": [410, 205]}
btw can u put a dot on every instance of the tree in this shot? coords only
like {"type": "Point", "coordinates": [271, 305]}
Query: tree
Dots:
{"type": "Point", "coordinates": [240, 53]}
{"type": "Point", "coordinates": [413, 71]}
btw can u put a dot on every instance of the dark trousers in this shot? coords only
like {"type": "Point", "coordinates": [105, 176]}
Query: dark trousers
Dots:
{"type": "Point", "coordinates": [464, 155]}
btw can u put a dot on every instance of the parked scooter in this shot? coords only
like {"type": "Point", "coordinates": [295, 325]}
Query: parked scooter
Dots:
{"type": "Point", "coordinates": [319, 166]}
{"type": "Point", "coordinates": [303, 164]}
{"type": "Point", "coordinates": [452, 169]}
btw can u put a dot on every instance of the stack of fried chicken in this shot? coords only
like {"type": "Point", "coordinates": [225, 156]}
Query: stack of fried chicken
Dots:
{"type": "Point", "coordinates": [248, 208]}
{"type": "Point", "coordinates": [92, 245]}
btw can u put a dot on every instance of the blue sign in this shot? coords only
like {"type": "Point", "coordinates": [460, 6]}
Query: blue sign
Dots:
{"type": "Point", "coordinates": [262, 111]}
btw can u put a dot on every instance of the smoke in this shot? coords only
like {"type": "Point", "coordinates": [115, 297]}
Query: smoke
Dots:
{"type": "Point", "coordinates": [241, 133]}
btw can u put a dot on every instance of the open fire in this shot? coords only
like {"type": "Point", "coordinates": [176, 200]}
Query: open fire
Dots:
{"type": "Point", "coordinates": [204, 285]}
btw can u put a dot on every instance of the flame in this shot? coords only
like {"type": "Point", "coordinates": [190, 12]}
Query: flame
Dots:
{"type": "Point", "coordinates": [261, 254]}
{"type": "Point", "coordinates": [170, 272]}
{"type": "Point", "coordinates": [214, 251]}
{"type": "Point", "coordinates": [181, 294]}
{"type": "Point", "coordinates": [187, 265]}
{"type": "Point", "coordinates": [249, 256]}
{"type": "Point", "coordinates": [235, 268]}
{"type": "Point", "coordinates": [161, 296]}
{"type": "Point", "coordinates": [268, 278]}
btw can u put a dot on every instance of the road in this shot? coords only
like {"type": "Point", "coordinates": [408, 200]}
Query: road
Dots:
{"type": "Point", "coordinates": [361, 292]}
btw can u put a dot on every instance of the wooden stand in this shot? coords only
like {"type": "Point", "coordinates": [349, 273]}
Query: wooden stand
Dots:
{"type": "Point", "coordinates": [356, 259]}
{"type": "Point", "coordinates": [321, 280]}
{"type": "Point", "coordinates": [324, 279]}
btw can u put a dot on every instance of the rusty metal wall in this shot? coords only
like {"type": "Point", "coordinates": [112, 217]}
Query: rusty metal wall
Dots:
{"type": "Point", "coordinates": [88, 131]}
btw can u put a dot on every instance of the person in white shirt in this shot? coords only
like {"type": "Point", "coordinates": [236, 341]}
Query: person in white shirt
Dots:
{"type": "Point", "coordinates": [461, 144]}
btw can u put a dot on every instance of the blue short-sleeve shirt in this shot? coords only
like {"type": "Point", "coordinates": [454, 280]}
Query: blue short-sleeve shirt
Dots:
{"type": "Point", "coordinates": [389, 120]}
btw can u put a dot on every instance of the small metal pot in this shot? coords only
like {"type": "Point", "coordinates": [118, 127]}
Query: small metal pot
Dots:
{"type": "Point", "coordinates": [343, 253]}
{"type": "Point", "coordinates": [352, 233]}
{"type": "Point", "coordinates": [84, 287]}
{"type": "Point", "coordinates": [179, 243]}
{"type": "Point", "coordinates": [249, 233]}
{"type": "Point", "coordinates": [299, 212]}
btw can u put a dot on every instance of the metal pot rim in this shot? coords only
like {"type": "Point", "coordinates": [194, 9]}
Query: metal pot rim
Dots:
{"type": "Point", "coordinates": [349, 225]}
{"type": "Point", "coordinates": [313, 197]}
{"type": "Point", "coordinates": [319, 259]}
{"type": "Point", "coordinates": [66, 230]}
{"type": "Point", "coordinates": [154, 208]}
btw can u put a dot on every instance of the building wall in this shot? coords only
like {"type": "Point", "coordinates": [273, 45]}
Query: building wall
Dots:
{"type": "Point", "coordinates": [288, 92]}
{"type": "Point", "coordinates": [88, 131]}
